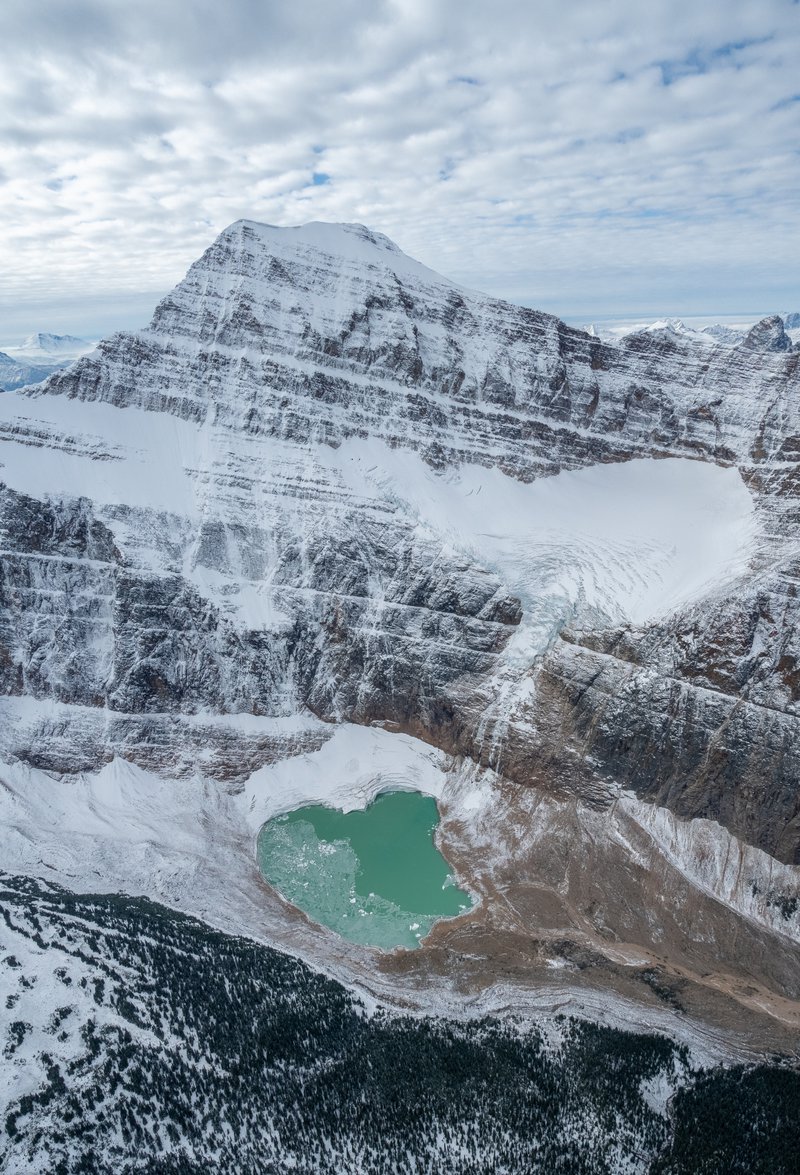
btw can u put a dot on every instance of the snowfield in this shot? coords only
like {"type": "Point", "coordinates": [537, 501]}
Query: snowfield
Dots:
{"type": "Point", "coordinates": [627, 542]}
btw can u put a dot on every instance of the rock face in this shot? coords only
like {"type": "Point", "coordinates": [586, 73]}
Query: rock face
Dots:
{"type": "Point", "coordinates": [768, 335]}
{"type": "Point", "coordinates": [209, 520]}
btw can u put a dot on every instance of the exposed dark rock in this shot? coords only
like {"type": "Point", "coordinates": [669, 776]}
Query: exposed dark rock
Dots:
{"type": "Point", "coordinates": [768, 335]}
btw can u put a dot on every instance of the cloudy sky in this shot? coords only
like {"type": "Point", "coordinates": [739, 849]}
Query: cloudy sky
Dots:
{"type": "Point", "coordinates": [598, 158]}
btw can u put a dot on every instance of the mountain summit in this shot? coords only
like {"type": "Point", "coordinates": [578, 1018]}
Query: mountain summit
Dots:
{"type": "Point", "coordinates": [43, 344]}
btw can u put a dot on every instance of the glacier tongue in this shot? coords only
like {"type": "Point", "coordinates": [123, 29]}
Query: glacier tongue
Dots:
{"type": "Point", "coordinates": [629, 542]}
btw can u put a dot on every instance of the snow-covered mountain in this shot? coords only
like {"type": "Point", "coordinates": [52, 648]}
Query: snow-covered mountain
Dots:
{"type": "Point", "coordinates": [674, 328]}
{"type": "Point", "coordinates": [786, 330]}
{"type": "Point", "coordinates": [37, 357]}
{"type": "Point", "coordinates": [332, 521]}
{"type": "Point", "coordinates": [45, 347]}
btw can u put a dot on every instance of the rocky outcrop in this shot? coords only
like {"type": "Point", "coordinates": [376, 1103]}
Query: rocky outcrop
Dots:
{"type": "Point", "coordinates": [768, 335]}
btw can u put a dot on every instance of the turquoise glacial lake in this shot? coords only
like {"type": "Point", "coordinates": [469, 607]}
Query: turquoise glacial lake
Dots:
{"type": "Point", "coordinates": [374, 876]}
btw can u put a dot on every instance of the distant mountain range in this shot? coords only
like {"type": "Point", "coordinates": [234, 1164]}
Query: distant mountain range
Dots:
{"type": "Point", "coordinates": [784, 332]}
{"type": "Point", "coordinates": [37, 357]}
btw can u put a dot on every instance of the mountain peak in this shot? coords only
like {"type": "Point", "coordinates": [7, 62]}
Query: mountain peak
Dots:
{"type": "Point", "coordinates": [330, 236]}
{"type": "Point", "coordinates": [323, 234]}
{"type": "Point", "coordinates": [51, 348]}
{"type": "Point", "coordinates": [261, 287]}
{"type": "Point", "coordinates": [768, 335]}
{"type": "Point", "coordinates": [355, 245]}
{"type": "Point", "coordinates": [49, 341]}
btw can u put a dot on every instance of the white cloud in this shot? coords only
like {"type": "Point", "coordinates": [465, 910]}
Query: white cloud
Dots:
{"type": "Point", "coordinates": [583, 157]}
